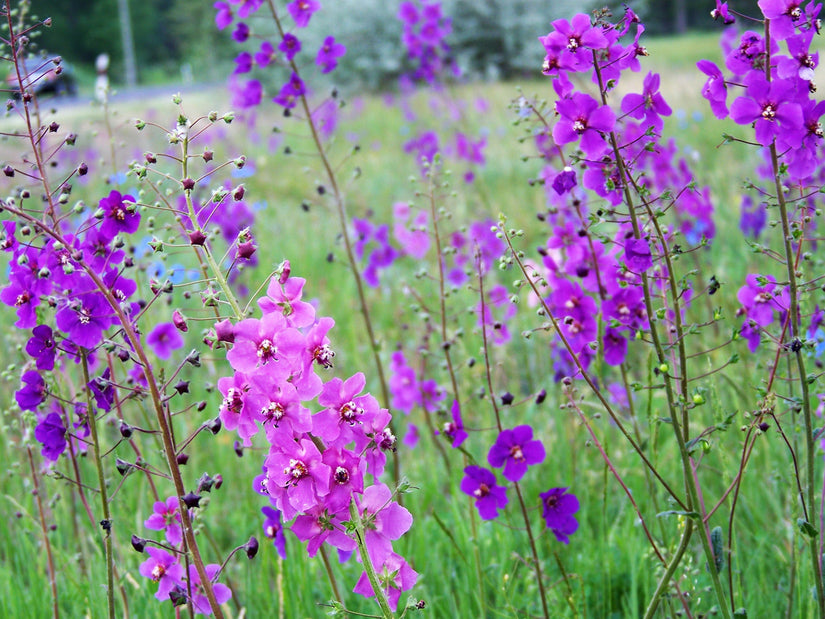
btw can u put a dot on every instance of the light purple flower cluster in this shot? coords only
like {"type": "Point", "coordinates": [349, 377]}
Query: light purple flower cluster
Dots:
{"type": "Point", "coordinates": [249, 93]}
{"type": "Point", "coordinates": [592, 278]}
{"type": "Point", "coordinates": [425, 28]}
{"type": "Point", "coordinates": [778, 104]}
{"type": "Point", "coordinates": [318, 462]}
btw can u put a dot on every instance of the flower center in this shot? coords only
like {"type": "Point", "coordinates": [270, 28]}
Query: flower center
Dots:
{"type": "Point", "coordinates": [266, 351]}
{"type": "Point", "coordinates": [350, 412]}
{"type": "Point", "coordinates": [579, 126]}
{"type": "Point", "coordinates": [516, 453]}
{"type": "Point", "coordinates": [769, 112]}
{"type": "Point", "coordinates": [233, 402]}
{"type": "Point", "coordinates": [341, 476]}
{"type": "Point", "coordinates": [22, 298]}
{"type": "Point", "coordinates": [482, 491]}
{"type": "Point", "coordinates": [297, 470]}
{"type": "Point", "coordinates": [158, 572]}
{"type": "Point", "coordinates": [623, 309]}
{"type": "Point", "coordinates": [573, 44]}
{"type": "Point", "coordinates": [273, 412]}
{"type": "Point", "coordinates": [762, 297]}
{"type": "Point", "coordinates": [323, 355]}
{"type": "Point", "coordinates": [387, 441]}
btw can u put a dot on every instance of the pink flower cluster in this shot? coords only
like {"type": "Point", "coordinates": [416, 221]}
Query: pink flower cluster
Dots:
{"type": "Point", "coordinates": [318, 462]}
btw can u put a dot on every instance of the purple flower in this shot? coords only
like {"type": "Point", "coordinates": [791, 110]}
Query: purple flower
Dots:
{"type": "Point", "coordinates": [243, 62]}
{"type": "Point", "coordinates": [385, 520]}
{"type": "Point", "coordinates": [302, 10]}
{"type": "Point", "coordinates": [119, 214]}
{"type": "Point", "coordinates": [245, 94]}
{"type": "Point", "coordinates": [557, 510]}
{"type": "Point", "coordinates": [199, 599]}
{"type": "Point", "coordinates": [290, 45]}
{"type": "Point", "coordinates": [480, 483]}
{"type": "Point", "coordinates": [582, 118]}
{"type": "Point", "coordinates": [615, 347]}
{"type": "Point", "coordinates": [649, 105]}
{"type": "Point", "coordinates": [785, 15]}
{"type": "Point", "coordinates": [224, 15]}
{"type": "Point", "coordinates": [771, 108]}
{"type": "Point", "coordinates": [51, 434]}
{"type": "Point", "coordinates": [564, 181]}
{"type": "Point", "coordinates": [753, 218]}
{"type": "Point", "coordinates": [721, 10]}
{"type": "Point", "coordinates": [290, 91]}
{"type": "Point", "coordinates": [637, 254]}
{"type": "Point", "coordinates": [241, 32]}
{"type": "Point", "coordinates": [274, 529]}
{"type": "Point", "coordinates": [715, 90]}
{"type": "Point", "coordinates": [394, 574]}
{"type": "Point", "coordinates": [42, 347]}
{"type": "Point", "coordinates": [166, 517]}
{"type": "Point", "coordinates": [33, 392]}
{"type": "Point", "coordinates": [758, 298]}
{"type": "Point", "coordinates": [329, 54]}
{"type": "Point", "coordinates": [164, 569]}
{"type": "Point", "coordinates": [455, 429]}
{"type": "Point", "coordinates": [163, 339]}
{"type": "Point", "coordinates": [516, 450]}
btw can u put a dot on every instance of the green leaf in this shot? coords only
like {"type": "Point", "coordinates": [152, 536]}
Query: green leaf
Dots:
{"type": "Point", "coordinates": [718, 550]}
{"type": "Point", "coordinates": [806, 527]}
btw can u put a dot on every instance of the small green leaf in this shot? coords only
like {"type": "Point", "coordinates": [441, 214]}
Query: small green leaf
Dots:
{"type": "Point", "coordinates": [718, 550]}
{"type": "Point", "coordinates": [806, 527]}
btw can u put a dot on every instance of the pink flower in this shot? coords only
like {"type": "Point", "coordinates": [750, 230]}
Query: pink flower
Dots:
{"type": "Point", "coordinates": [167, 518]}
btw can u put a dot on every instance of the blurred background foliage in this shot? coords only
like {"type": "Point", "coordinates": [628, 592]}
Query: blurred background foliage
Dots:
{"type": "Point", "coordinates": [491, 38]}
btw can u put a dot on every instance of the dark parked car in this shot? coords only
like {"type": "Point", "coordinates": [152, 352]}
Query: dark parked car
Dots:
{"type": "Point", "coordinates": [42, 75]}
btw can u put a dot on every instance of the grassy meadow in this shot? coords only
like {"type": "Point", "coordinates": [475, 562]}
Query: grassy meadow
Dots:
{"type": "Point", "coordinates": [468, 567]}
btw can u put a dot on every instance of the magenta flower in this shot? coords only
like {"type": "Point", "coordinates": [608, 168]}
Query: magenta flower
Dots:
{"type": "Point", "coordinates": [582, 118]}
{"type": "Point", "coordinates": [318, 525]}
{"type": "Point", "coordinates": [384, 521]}
{"type": "Point", "coordinates": [785, 16]}
{"type": "Point", "coordinates": [721, 11]}
{"type": "Point", "coordinates": [715, 90]}
{"type": "Point", "coordinates": [516, 450]}
{"type": "Point", "coordinates": [296, 476]}
{"type": "Point", "coordinates": [650, 105]}
{"type": "Point", "coordinates": [199, 599]}
{"type": "Point", "coordinates": [454, 429]}
{"type": "Point", "coordinates": [770, 106]}
{"type": "Point", "coordinates": [557, 510]}
{"type": "Point", "coordinates": [286, 299]}
{"type": "Point", "coordinates": [329, 54]}
{"type": "Point", "coordinates": [164, 339]}
{"type": "Point", "coordinates": [224, 15]}
{"type": "Point", "coordinates": [119, 214]}
{"type": "Point", "coordinates": [302, 10]}
{"type": "Point", "coordinates": [758, 298]}
{"type": "Point", "coordinates": [395, 576]}
{"type": "Point", "coordinates": [164, 569]}
{"type": "Point", "coordinates": [480, 483]}
{"type": "Point", "coordinates": [345, 412]}
{"type": "Point", "coordinates": [166, 517]}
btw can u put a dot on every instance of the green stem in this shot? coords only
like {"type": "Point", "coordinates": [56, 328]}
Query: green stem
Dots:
{"type": "Point", "coordinates": [367, 562]}
{"type": "Point", "coordinates": [664, 582]}
{"type": "Point", "coordinates": [106, 523]}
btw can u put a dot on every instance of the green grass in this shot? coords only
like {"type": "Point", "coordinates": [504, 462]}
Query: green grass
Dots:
{"type": "Point", "coordinates": [609, 564]}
